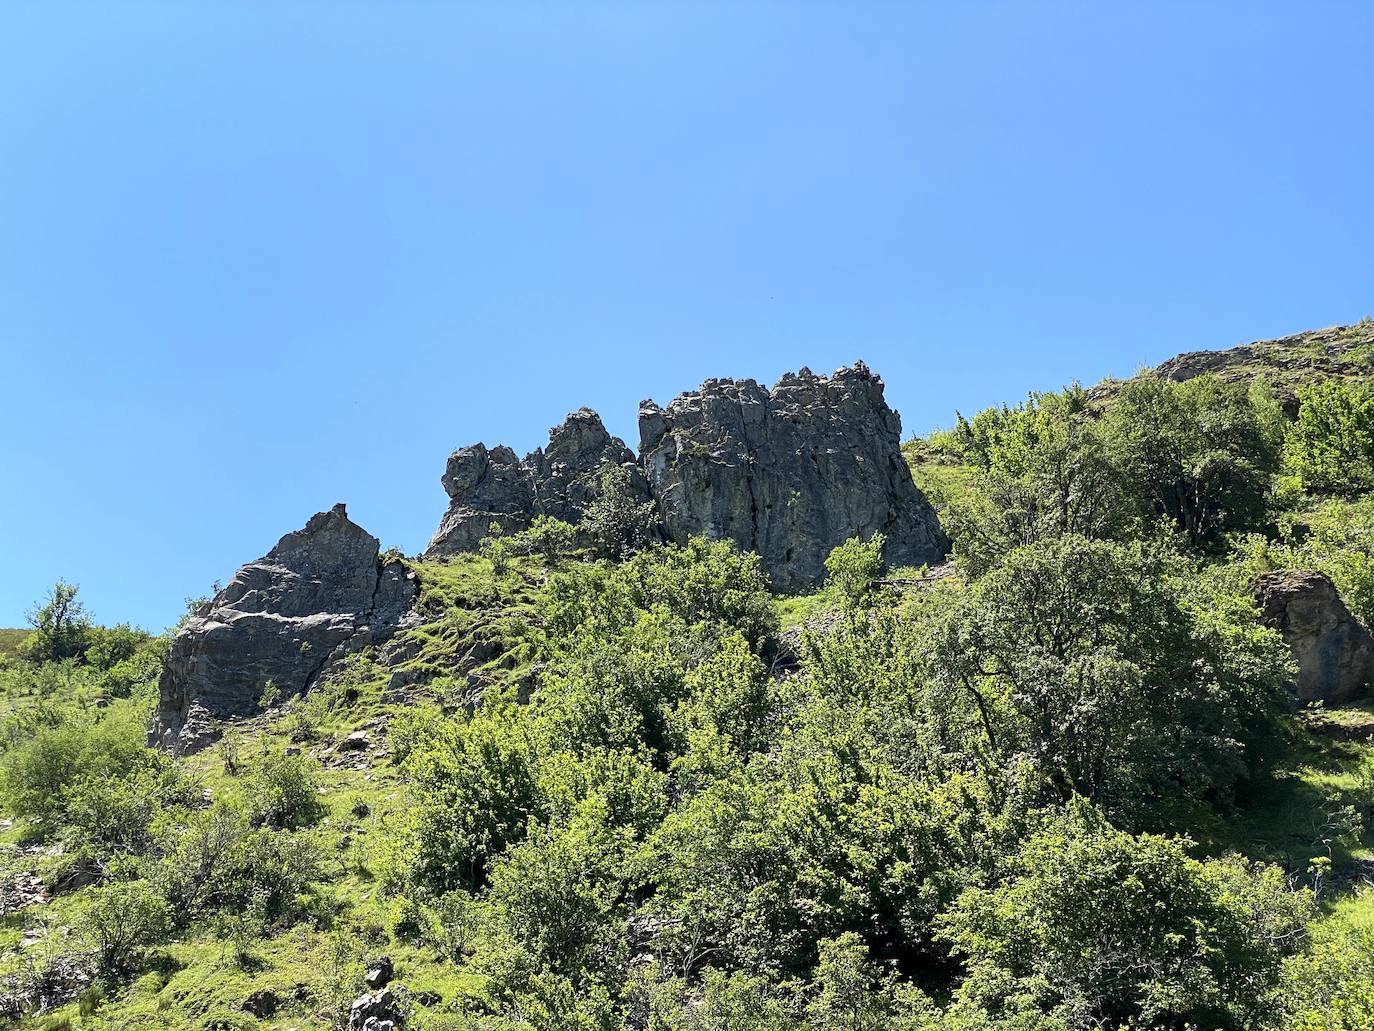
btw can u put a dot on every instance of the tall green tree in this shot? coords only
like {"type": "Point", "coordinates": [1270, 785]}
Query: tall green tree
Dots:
{"type": "Point", "coordinates": [61, 628]}
{"type": "Point", "coordinates": [1042, 470]}
{"type": "Point", "coordinates": [1202, 452]}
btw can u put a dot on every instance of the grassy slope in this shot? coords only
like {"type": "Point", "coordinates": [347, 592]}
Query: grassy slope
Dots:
{"type": "Point", "coordinates": [10, 640]}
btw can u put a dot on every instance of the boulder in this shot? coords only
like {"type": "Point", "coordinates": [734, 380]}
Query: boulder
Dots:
{"type": "Point", "coordinates": [379, 974]}
{"type": "Point", "coordinates": [358, 741]}
{"type": "Point", "coordinates": [789, 473]}
{"type": "Point", "coordinates": [486, 487]}
{"type": "Point", "coordinates": [321, 593]}
{"type": "Point", "coordinates": [380, 1011]}
{"type": "Point", "coordinates": [1333, 652]}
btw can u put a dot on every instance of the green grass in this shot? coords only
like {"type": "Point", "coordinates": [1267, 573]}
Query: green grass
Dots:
{"type": "Point", "coordinates": [10, 640]}
{"type": "Point", "coordinates": [794, 611]}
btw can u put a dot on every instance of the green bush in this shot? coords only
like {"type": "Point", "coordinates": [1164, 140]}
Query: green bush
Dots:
{"type": "Point", "coordinates": [853, 567]}
{"type": "Point", "coordinates": [1107, 930]}
{"type": "Point", "coordinates": [1330, 447]}
{"type": "Point", "coordinates": [284, 792]}
{"type": "Point", "coordinates": [121, 922]}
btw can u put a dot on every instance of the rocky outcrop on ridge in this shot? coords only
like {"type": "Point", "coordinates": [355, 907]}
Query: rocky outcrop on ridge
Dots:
{"type": "Point", "coordinates": [1334, 653]}
{"type": "Point", "coordinates": [789, 473]}
{"type": "Point", "coordinates": [321, 593]}
{"type": "Point", "coordinates": [494, 486]}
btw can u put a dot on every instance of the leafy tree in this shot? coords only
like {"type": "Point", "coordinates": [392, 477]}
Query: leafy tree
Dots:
{"type": "Point", "coordinates": [61, 628]}
{"type": "Point", "coordinates": [1109, 930]}
{"type": "Point", "coordinates": [617, 523]}
{"type": "Point", "coordinates": [546, 536]}
{"type": "Point", "coordinates": [557, 892]}
{"type": "Point", "coordinates": [853, 567]}
{"type": "Point", "coordinates": [1042, 470]}
{"type": "Point", "coordinates": [476, 787]}
{"type": "Point", "coordinates": [1086, 658]}
{"type": "Point", "coordinates": [106, 647]}
{"type": "Point", "coordinates": [1331, 446]}
{"type": "Point", "coordinates": [1201, 452]}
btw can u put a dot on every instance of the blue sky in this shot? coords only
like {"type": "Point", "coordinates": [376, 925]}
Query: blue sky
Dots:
{"type": "Point", "coordinates": [257, 258]}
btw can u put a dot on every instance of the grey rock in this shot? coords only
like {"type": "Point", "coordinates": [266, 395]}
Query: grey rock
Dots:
{"type": "Point", "coordinates": [379, 974]}
{"type": "Point", "coordinates": [380, 1011]}
{"type": "Point", "coordinates": [486, 487]}
{"type": "Point", "coordinates": [321, 593]}
{"type": "Point", "coordinates": [1333, 652]}
{"type": "Point", "coordinates": [358, 741]}
{"type": "Point", "coordinates": [789, 473]}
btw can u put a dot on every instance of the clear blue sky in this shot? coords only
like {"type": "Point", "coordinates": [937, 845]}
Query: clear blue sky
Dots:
{"type": "Point", "coordinates": [257, 258]}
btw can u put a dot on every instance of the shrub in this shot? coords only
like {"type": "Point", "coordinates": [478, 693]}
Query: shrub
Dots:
{"type": "Point", "coordinates": [120, 922]}
{"type": "Point", "coordinates": [496, 548]}
{"type": "Point", "coordinates": [545, 536]}
{"type": "Point", "coordinates": [284, 792]}
{"type": "Point", "coordinates": [1107, 929]}
{"type": "Point", "coordinates": [853, 567]}
{"type": "Point", "coordinates": [1331, 446]}
{"type": "Point", "coordinates": [618, 524]}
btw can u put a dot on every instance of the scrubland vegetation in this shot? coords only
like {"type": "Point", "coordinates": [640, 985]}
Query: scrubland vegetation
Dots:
{"type": "Point", "coordinates": [1061, 787]}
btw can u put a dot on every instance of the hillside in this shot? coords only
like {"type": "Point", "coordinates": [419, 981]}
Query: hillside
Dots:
{"type": "Point", "coordinates": [10, 640]}
{"type": "Point", "coordinates": [706, 735]}
{"type": "Point", "coordinates": [1287, 364]}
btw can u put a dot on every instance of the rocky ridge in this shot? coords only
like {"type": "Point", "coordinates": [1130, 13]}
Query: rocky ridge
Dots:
{"type": "Point", "coordinates": [788, 473]}
{"type": "Point", "coordinates": [1286, 363]}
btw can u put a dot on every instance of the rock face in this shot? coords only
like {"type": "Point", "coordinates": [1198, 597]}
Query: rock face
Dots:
{"type": "Point", "coordinates": [1334, 653]}
{"type": "Point", "coordinates": [322, 592]}
{"type": "Point", "coordinates": [789, 473]}
{"type": "Point", "coordinates": [493, 486]}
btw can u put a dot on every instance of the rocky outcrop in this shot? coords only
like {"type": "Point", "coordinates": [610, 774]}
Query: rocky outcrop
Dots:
{"type": "Point", "coordinates": [1333, 652]}
{"type": "Point", "coordinates": [789, 473]}
{"type": "Point", "coordinates": [494, 486]}
{"type": "Point", "coordinates": [321, 593]}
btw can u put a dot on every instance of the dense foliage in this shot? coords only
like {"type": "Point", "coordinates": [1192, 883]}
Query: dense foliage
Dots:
{"type": "Point", "coordinates": [620, 784]}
